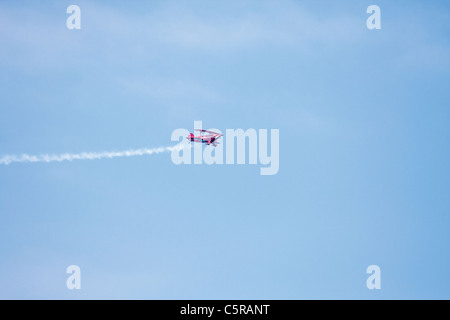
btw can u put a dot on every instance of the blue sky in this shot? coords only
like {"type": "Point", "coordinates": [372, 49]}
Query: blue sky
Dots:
{"type": "Point", "coordinates": [364, 176]}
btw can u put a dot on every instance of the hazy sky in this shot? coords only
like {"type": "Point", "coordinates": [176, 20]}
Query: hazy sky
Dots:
{"type": "Point", "coordinates": [364, 149]}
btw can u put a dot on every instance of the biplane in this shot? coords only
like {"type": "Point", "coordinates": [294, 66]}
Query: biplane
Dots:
{"type": "Point", "coordinates": [208, 137]}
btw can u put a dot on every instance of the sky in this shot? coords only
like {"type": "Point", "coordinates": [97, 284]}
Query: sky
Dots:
{"type": "Point", "coordinates": [363, 117]}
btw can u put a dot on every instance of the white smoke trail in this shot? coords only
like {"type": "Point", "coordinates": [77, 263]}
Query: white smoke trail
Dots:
{"type": "Point", "coordinates": [25, 158]}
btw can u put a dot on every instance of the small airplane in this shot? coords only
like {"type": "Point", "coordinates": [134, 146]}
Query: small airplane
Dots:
{"type": "Point", "coordinates": [210, 138]}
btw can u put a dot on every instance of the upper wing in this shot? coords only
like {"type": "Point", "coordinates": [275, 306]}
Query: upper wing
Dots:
{"type": "Point", "coordinates": [212, 132]}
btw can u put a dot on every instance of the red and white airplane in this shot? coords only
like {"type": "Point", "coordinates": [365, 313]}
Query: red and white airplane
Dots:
{"type": "Point", "coordinates": [210, 138]}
